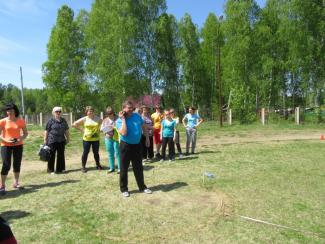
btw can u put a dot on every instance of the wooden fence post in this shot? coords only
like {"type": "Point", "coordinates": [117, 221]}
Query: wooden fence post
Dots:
{"type": "Point", "coordinates": [297, 116]}
{"type": "Point", "coordinates": [229, 117]}
{"type": "Point", "coordinates": [263, 116]}
{"type": "Point", "coordinates": [71, 118]}
{"type": "Point", "coordinates": [41, 119]}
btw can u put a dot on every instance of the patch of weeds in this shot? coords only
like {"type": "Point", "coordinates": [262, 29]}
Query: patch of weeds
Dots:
{"type": "Point", "coordinates": [300, 206]}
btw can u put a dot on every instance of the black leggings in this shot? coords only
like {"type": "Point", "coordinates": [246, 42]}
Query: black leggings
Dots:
{"type": "Point", "coordinates": [86, 146]}
{"type": "Point", "coordinates": [171, 147]}
{"type": "Point", "coordinates": [147, 152]}
{"type": "Point", "coordinates": [6, 153]}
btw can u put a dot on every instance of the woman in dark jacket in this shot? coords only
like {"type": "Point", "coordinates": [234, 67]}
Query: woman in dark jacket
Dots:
{"type": "Point", "coordinates": [56, 136]}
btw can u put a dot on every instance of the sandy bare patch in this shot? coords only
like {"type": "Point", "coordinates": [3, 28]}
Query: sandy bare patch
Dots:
{"type": "Point", "coordinates": [72, 161]}
{"type": "Point", "coordinates": [259, 137]}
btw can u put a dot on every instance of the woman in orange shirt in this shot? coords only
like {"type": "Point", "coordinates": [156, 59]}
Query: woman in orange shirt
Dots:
{"type": "Point", "coordinates": [11, 144]}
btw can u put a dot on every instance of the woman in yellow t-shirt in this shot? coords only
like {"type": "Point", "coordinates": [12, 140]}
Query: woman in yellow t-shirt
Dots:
{"type": "Point", "coordinates": [12, 133]}
{"type": "Point", "coordinates": [157, 117]}
{"type": "Point", "coordinates": [89, 125]}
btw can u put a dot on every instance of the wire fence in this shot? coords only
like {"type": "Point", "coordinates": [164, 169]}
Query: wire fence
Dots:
{"type": "Point", "coordinates": [297, 116]}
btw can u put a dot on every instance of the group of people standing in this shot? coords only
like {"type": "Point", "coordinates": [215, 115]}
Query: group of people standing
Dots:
{"type": "Point", "coordinates": [166, 132]}
{"type": "Point", "coordinates": [129, 138]}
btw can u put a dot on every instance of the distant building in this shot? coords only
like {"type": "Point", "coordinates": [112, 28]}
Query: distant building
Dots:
{"type": "Point", "coordinates": [149, 100]}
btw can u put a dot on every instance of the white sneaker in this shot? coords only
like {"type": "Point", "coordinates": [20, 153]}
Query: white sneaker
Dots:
{"type": "Point", "coordinates": [181, 156]}
{"type": "Point", "coordinates": [125, 194]}
{"type": "Point", "coordinates": [147, 191]}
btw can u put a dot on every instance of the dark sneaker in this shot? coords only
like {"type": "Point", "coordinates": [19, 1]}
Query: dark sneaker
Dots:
{"type": "Point", "coordinates": [99, 167]}
{"type": "Point", "coordinates": [110, 171]}
{"type": "Point", "coordinates": [84, 170]}
{"type": "Point", "coordinates": [2, 191]}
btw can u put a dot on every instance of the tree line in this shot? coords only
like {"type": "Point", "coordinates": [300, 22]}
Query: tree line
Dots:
{"type": "Point", "coordinates": [271, 57]}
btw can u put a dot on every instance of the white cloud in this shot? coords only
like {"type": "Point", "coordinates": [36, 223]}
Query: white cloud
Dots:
{"type": "Point", "coordinates": [7, 46]}
{"type": "Point", "coordinates": [30, 7]}
{"type": "Point", "coordinates": [4, 67]}
{"type": "Point", "coordinates": [10, 73]}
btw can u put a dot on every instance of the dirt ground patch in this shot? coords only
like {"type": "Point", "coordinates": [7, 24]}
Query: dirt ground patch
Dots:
{"type": "Point", "coordinates": [258, 137]}
{"type": "Point", "coordinates": [73, 158]}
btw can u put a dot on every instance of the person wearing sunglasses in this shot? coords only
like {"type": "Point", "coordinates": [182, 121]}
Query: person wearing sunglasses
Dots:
{"type": "Point", "coordinates": [12, 133]}
{"type": "Point", "coordinates": [111, 140]}
{"type": "Point", "coordinates": [56, 136]}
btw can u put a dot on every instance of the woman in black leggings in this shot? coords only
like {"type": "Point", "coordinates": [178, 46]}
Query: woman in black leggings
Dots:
{"type": "Point", "coordinates": [12, 133]}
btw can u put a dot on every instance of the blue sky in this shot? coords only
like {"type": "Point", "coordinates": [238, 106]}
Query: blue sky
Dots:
{"type": "Point", "coordinates": [25, 27]}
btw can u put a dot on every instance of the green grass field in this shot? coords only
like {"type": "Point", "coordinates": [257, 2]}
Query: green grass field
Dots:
{"type": "Point", "coordinates": [274, 173]}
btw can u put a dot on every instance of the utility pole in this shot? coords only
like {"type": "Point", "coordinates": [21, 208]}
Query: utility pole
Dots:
{"type": "Point", "coordinates": [218, 70]}
{"type": "Point", "coordinates": [22, 91]}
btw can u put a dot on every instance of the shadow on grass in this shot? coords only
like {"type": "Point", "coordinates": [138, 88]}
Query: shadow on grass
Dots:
{"type": "Point", "coordinates": [33, 188]}
{"type": "Point", "coordinates": [209, 151]}
{"type": "Point", "coordinates": [189, 157]}
{"type": "Point", "coordinates": [88, 169]}
{"type": "Point", "coordinates": [164, 187]}
{"type": "Point", "coordinates": [14, 214]}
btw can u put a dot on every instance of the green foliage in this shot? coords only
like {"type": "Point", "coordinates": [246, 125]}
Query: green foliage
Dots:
{"type": "Point", "coordinates": [271, 57]}
{"type": "Point", "coordinates": [243, 104]}
{"type": "Point", "coordinates": [63, 72]}
{"type": "Point", "coordinates": [190, 60]}
{"type": "Point", "coordinates": [238, 61]}
{"type": "Point", "coordinates": [212, 39]}
{"type": "Point", "coordinates": [34, 99]}
{"type": "Point", "coordinates": [167, 44]}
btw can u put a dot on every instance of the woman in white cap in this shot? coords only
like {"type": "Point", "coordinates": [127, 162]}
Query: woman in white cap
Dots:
{"type": "Point", "coordinates": [56, 136]}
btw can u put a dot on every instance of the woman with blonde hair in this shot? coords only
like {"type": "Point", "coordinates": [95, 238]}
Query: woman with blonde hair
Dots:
{"type": "Point", "coordinates": [56, 136]}
{"type": "Point", "coordinates": [89, 125]}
